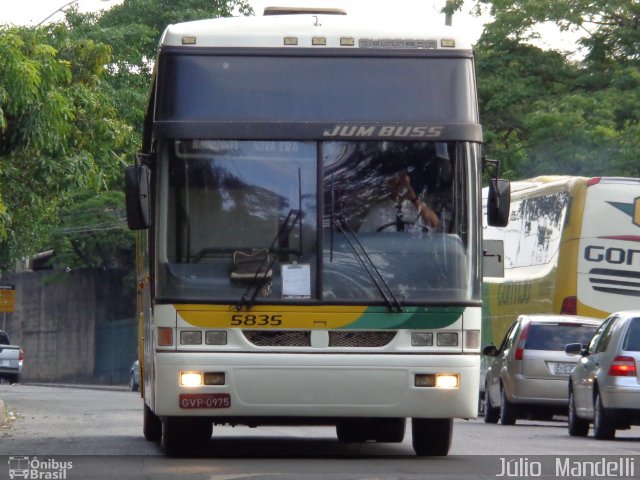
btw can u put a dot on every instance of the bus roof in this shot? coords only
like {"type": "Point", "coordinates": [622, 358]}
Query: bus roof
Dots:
{"type": "Point", "coordinates": [531, 183]}
{"type": "Point", "coordinates": [314, 30]}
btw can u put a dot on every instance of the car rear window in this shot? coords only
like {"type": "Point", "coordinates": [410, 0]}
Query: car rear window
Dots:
{"type": "Point", "coordinates": [632, 340]}
{"type": "Point", "coordinates": [4, 338]}
{"type": "Point", "coordinates": [556, 336]}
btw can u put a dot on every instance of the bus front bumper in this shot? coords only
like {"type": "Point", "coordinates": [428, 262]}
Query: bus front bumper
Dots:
{"type": "Point", "coordinates": [316, 385]}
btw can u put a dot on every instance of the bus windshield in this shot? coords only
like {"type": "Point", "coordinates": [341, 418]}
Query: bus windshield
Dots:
{"type": "Point", "coordinates": [295, 221]}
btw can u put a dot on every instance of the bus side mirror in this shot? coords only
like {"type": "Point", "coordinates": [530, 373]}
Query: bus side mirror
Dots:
{"type": "Point", "coordinates": [136, 184]}
{"type": "Point", "coordinates": [498, 202]}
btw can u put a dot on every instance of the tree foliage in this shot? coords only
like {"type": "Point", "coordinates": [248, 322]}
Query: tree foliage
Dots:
{"type": "Point", "coordinates": [547, 112]}
{"type": "Point", "coordinates": [72, 100]}
{"type": "Point", "coordinates": [58, 131]}
{"type": "Point", "coordinates": [73, 96]}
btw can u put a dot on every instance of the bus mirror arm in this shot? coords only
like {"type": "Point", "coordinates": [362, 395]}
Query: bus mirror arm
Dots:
{"type": "Point", "coordinates": [137, 197]}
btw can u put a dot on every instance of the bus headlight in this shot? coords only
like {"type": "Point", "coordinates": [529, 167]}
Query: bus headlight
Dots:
{"type": "Point", "coordinates": [421, 339]}
{"type": "Point", "coordinates": [190, 337]}
{"type": "Point", "coordinates": [445, 339]}
{"type": "Point", "coordinates": [437, 380]}
{"type": "Point", "coordinates": [190, 379]}
{"type": "Point", "coordinates": [213, 337]}
{"type": "Point", "coordinates": [447, 380]}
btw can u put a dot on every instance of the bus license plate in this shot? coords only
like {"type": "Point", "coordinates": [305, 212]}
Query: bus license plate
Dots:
{"type": "Point", "coordinates": [205, 400]}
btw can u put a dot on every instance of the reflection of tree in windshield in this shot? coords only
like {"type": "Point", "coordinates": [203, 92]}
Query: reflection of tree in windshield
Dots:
{"type": "Point", "coordinates": [356, 173]}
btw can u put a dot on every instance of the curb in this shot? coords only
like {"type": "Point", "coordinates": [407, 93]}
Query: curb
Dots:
{"type": "Point", "coordinates": [115, 388]}
{"type": "Point", "coordinates": [3, 418]}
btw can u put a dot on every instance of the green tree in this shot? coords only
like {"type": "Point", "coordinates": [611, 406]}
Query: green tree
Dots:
{"type": "Point", "coordinates": [550, 112]}
{"type": "Point", "coordinates": [57, 131]}
{"type": "Point", "coordinates": [92, 233]}
{"type": "Point", "coordinates": [72, 102]}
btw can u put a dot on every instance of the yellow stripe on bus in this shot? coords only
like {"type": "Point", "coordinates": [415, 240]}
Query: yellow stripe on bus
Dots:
{"type": "Point", "coordinates": [283, 316]}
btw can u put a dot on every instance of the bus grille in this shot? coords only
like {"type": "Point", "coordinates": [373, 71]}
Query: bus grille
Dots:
{"type": "Point", "coordinates": [292, 338]}
{"type": "Point", "coordinates": [298, 338]}
{"type": "Point", "coordinates": [360, 339]}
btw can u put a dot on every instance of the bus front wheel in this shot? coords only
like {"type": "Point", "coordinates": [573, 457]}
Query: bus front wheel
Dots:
{"type": "Point", "coordinates": [151, 425]}
{"type": "Point", "coordinates": [182, 435]}
{"type": "Point", "coordinates": [358, 430]}
{"type": "Point", "coordinates": [431, 436]}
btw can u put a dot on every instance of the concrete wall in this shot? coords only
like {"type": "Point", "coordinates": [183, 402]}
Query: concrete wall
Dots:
{"type": "Point", "coordinates": [56, 319]}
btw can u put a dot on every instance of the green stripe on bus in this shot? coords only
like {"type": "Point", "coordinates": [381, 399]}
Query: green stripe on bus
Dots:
{"type": "Point", "coordinates": [410, 317]}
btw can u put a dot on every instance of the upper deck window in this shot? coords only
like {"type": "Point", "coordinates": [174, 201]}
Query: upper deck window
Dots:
{"type": "Point", "coordinates": [316, 89]}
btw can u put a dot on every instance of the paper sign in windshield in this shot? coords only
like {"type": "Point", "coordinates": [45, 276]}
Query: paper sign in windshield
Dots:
{"type": "Point", "coordinates": [296, 281]}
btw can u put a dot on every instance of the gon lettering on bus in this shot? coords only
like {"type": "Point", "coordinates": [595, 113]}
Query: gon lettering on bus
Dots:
{"type": "Point", "coordinates": [613, 255]}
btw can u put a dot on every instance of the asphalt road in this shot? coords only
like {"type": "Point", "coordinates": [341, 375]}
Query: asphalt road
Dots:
{"type": "Point", "coordinates": [101, 431]}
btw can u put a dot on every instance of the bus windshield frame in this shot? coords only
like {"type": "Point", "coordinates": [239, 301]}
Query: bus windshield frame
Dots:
{"type": "Point", "coordinates": [247, 218]}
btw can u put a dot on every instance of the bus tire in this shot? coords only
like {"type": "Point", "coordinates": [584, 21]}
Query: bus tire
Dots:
{"type": "Point", "coordinates": [431, 436]}
{"type": "Point", "coordinates": [507, 410]}
{"type": "Point", "coordinates": [603, 427]}
{"type": "Point", "coordinates": [359, 430]}
{"type": "Point", "coordinates": [151, 425]}
{"type": "Point", "coordinates": [351, 430]}
{"type": "Point", "coordinates": [389, 430]}
{"type": "Point", "coordinates": [491, 413]}
{"type": "Point", "coordinates": [578, 427]}
{"type": "Point", "coordinates": [181, 436]}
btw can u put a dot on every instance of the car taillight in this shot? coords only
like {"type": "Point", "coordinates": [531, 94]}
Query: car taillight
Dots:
{"type": "Point", "coordinates": [623, 367]}
{"type": "Point", "coordinates": [520, 345]}
{"type": "Point", "coordinates": [569, 306]}
{"type": "Point", "coordinates": [21, 355]}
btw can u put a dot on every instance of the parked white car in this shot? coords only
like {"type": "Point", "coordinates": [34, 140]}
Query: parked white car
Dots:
{"type": "Point", "coordinates": [11, 359]}
{"type": "Point", "coordinates": [604, 388]}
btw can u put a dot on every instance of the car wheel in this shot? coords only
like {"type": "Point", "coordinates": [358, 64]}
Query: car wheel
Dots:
{"type": "Point", "coordinates": [151, 425]}
{"type": "Point", "coordinates": [431, 436]}
{"type": "Point", "coordinates": [603, 428]}
{"type": "Point", "coordinates": [491, 413]}
{"type": "Point", "coordinates": [578, 427]}
{"type": "Point", "coordinates": [507, 410]}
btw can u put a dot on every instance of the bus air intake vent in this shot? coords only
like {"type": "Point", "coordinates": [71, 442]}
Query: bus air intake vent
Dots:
{"type": "Point", "coordinates": [289, 338]}
{"type": "Point", "coordinates": [360, 339]}
{"type": "Point", "coordinates": [337, 339]}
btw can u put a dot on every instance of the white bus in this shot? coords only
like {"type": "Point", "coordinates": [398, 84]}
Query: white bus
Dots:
{"type": "Point", "coordinates": [274, 286]}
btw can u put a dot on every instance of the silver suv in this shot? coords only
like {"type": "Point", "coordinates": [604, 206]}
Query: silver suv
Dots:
{"type": "Point", "coordinates": [604, 388]}
{"type": "Point", "coordinates": [528, 376]}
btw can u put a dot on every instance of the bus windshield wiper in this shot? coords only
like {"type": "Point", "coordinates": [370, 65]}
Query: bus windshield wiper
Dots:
{"type": "Point", "coordinates": [260, 277]}
{"type": "Point", "coordinates": [370, 267]}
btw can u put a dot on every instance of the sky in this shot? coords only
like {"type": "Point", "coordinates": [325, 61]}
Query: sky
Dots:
{"type": "Point", "coordinates": [32, 12]}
